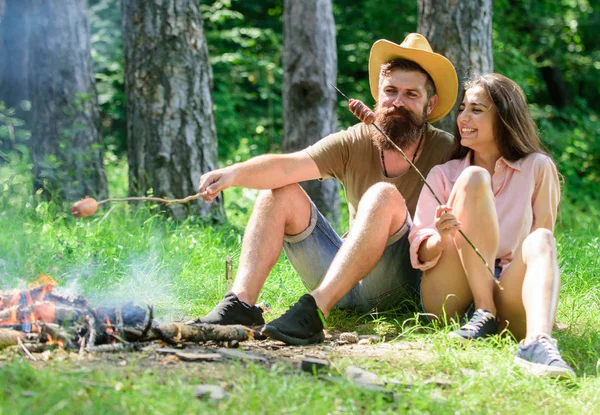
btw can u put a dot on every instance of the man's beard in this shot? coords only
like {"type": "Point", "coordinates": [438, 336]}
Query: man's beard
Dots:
{"type": "Point", "coordinates": [403, 131]}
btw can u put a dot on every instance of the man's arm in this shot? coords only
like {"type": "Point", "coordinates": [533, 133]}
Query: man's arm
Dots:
{"type": "Point", "coordinates": [268, 171]}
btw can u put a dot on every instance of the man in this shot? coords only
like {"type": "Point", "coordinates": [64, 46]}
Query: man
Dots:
{"type": "Point", "coordinates": [371, 266]}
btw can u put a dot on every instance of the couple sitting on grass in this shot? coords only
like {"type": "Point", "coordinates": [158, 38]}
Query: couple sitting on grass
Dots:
{"type": "Point", "coordinates": [495, 182]}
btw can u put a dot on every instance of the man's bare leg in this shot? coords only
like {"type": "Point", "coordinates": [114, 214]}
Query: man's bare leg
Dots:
{"type": "Point", "coordinates": [276, 213]}
{"type": "Point", "coordinates": [381, 213]}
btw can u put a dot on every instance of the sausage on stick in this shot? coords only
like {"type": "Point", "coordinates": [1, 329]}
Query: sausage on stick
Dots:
{"type": "Point", "coordinates": [88, 206]}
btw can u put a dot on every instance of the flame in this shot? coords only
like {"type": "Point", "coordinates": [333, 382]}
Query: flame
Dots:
{"type": "Point", "coordinates": [44, 279]}
{"type": "Point", "coordinates": [27, 307]}
{"type": "Point", "coordinates": [37, 310]}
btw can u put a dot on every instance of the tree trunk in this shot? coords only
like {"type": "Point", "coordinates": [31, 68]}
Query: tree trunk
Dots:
{"type": "Point", "coordinates": [66, 147]}
{"type": "Point", "coordinates": [170, 121]}
{"type": "Point", "coordinates": [555, 83]}
{"type": "Point", "coordinates": [13, 54]}
{"type": "Point", "coordinates": [461, 31]}
{"type": "Point", "coordinates": [13, 65]}
{"type": "Point", "coordinates": [310, 67]}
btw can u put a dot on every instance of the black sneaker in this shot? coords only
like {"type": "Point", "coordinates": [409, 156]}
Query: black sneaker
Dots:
{"type": "Point", "coordinates": [302, 324]}
{"type": "Point", "coordinates": [232, 311]}
{"type": "Point", "coordinates": [482, 324]}
{"type": "Point", "coordinates": [542, 358]}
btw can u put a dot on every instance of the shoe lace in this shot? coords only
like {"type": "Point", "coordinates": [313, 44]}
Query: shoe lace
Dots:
{"type": "Point", "coordinates": [551, 348]}
{"type": "Point", "coordinates": [304, 319]}
{"type": "Point", "coordinates": [476, 322]}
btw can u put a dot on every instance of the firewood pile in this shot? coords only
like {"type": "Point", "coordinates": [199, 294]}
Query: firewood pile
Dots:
{"type": "Point", "coordinates": [38, 319]}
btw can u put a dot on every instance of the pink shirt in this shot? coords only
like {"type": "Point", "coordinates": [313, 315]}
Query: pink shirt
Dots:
{"type": "Point", "coordinates": [527, 192]}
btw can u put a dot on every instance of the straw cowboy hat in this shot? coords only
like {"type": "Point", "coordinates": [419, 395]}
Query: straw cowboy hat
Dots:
{"type": "Point", "coordinates": [416, 48]}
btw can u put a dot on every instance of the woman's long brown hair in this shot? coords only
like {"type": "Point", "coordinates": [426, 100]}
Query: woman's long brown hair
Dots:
{"type": "Point", "coordinates": [514, 130]}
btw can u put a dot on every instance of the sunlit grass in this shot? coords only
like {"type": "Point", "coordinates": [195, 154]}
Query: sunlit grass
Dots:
{"type": "Point", "coordinates": [133, 253]}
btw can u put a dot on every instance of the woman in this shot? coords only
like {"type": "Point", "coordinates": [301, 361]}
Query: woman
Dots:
{"type": "Point", "coordinates": [503, 191]}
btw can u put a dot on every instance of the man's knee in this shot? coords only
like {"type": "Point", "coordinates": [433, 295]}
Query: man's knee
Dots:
{"type": "Point", "coordinates": [383, 196]}
{"type": "Point", "coordinates": [281, 196]}
{"type": "Point", "coordinates": [289, 204]}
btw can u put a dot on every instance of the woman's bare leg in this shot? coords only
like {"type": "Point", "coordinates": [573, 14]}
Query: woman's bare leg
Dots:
{"type": "Point", "coordinates": [460, 276]}
{"type": "Point", "coordinates": [535, 275]}
{"type": "Point", "coordinates": [473, 203]}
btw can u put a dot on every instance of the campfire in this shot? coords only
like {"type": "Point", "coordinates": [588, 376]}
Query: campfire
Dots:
{"type": "Point", "coordinates": [40, 318]}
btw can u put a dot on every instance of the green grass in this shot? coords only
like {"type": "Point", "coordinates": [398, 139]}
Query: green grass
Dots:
{"type": "Point", "coordinates": [132, 253]}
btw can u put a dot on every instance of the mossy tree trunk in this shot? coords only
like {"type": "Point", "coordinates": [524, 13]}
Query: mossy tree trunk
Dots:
{"type": "Point", "coordinates": [170, 121]}
{"type": "Point", "coordinates": [310, 68]}
{"type": "Point", "coordinates": [462, 32]}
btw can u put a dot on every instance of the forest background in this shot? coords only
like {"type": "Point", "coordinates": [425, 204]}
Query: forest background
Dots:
{"type": "Point", "coordinates": [136, 252]}
{"type": "Point", "coordinates": [549, 47]}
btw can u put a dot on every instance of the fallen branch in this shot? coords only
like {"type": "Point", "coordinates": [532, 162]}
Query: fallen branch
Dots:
{"type": "Point", "coordinates": [24, 348]}
{"type": "Point", "coordinates": [10, 337]}
{"type": "Point", "coordinates": [199, 333]}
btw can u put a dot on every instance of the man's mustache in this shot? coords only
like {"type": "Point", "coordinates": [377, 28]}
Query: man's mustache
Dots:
{"type": "Point", "coordinates": [397, 111]}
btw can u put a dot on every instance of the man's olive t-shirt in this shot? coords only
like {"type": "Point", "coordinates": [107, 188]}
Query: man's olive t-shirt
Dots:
{"type": "Point", "coordinates": [351, 157]}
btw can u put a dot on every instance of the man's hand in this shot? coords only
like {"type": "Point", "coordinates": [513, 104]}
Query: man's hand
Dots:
{"type": "Point", "coordinates": [446, 224]}
{"type": "Point", "coordinates": [213, 182]}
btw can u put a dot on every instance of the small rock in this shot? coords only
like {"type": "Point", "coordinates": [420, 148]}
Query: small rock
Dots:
{"type": "Point", "coordinates": [197, 357]}
{"type": "Point", "coordinates": [213, 392]}
{"type": "Point", "coordinates": [372, 337]}
{"type": "Point", "coordinates": [358, 375]}
{"type": "Point", "coordinates": [350, 338]}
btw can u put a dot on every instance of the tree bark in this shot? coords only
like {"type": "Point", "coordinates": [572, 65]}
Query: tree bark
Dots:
{"type": "Point", "coordinates": [310, 67]}
{"type": "Point", "coordinates": [13, 55]}
{"type": "Point", "coordinates": [462, 32]}
{"type": "Point", "coordinates": [66, 146]}
{"type": "Point", "coordinates": [170, 120]}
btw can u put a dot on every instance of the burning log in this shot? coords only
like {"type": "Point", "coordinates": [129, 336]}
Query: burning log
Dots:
{"type": "Point", "coordinates": [9, 337]}
{"type": "Point", "coordinates": [39, 318]}
{"type": "Point", "coordinates": [56, 333]}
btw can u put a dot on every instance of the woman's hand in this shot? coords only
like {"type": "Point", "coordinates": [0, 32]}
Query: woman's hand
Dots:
{"type": "Point", "coordinates": [446, 224]}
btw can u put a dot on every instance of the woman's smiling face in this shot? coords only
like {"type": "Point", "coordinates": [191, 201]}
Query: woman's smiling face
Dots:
{"type": "Point", "coordinates": [475, 120]}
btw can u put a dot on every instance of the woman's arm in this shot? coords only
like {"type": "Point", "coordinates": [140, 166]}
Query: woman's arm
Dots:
{"type": "Point", "coordinates": [546, 194]}
{"type": "Point", "coordinates": [426, 243]}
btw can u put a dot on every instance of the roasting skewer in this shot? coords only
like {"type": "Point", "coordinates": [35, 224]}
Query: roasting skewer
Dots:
{"type": "Point", "coordinates": [88, 206]}
{"type": "Point", "coordinates": [367, 116]}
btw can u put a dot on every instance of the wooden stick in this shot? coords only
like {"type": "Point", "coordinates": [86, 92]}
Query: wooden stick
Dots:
{"type": "Point", "coordinates": [25, 349]}
{"type": "Point", "coordinates": [153, 199]}
{"type": "Point", "coordinates": [199, 333]}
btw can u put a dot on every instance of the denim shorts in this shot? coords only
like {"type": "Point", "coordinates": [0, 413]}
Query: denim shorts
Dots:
{"type": "Point", "coordinates": [392, 283]}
